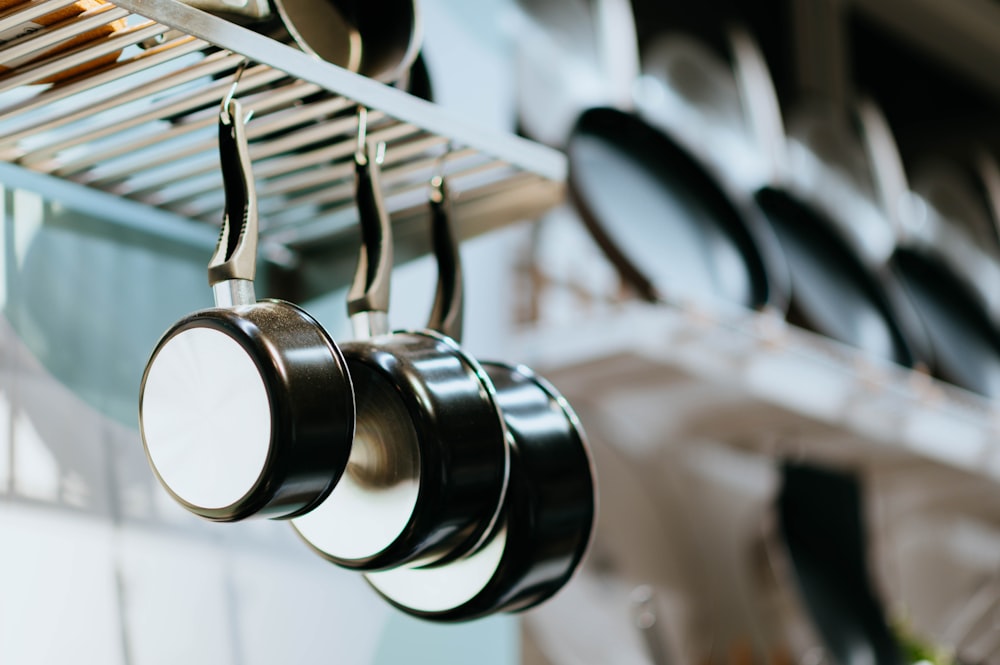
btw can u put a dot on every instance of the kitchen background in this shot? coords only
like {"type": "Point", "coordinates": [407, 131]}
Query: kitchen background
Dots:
{"type": "Point", "coordinates": [723, 437]}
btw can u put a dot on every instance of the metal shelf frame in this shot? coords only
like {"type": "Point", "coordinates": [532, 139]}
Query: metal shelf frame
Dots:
{"type": "Point", "coordinates": [142, 130]}
{"type": "Point", "coordinates": [666, 373]}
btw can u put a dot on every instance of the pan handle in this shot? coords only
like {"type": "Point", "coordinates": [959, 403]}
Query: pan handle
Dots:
{"type": "Point", "coordinates": [886, 163]}
{"type": "Point", "coordinates": [448, 309]}
{"type": "Point", "coordinates": [760, 100]}
{"type": "Point", "coordinates": [368, 297]}
{"type": "Point", "coordinates": [618, 46]}
{"type": "Point", "coordinates": [233, 266]}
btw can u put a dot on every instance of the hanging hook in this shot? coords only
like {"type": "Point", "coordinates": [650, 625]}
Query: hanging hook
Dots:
{"type": "Point", "coordinates": [237, 76]}
{"type": "Point", "coordinates": [361, 152]}
{"type": "Point", "coordinates": [233, 266]}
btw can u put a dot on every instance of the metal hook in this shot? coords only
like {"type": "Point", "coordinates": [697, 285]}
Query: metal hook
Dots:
{"type": "Point", "coordinates": [237, 76]}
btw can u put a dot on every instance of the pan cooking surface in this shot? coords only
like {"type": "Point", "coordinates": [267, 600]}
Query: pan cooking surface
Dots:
{"type": "Point", "coordinates": [662, 212]}
{"type": "Point", "coordinates": [832, 292]}
{"type": "Point", "coordinates": [966, 346]}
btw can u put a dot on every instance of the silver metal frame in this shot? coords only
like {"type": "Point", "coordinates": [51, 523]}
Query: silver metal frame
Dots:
{"type": "Point", "coordinates": [140, 129]}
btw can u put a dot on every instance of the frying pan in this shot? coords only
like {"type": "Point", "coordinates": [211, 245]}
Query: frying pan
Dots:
{"type": "Point", "coordinates": [572, 55]}
{"type": "Point", "coordinates": [954, 225]}
{"type": "Point", "coordinates": [820, 516]}
{"type": "Point", "coordinates": [247, 408]}
{"type": "Point", "coordinates": [548, 515]}
{"type": "Point", "coordinates": [664, 221]}
{"type": "Point", "coordinates": [840, 286]}
{"type": "Point", "coordinates": [689, 90]}
{"type": "Point", "coordinates": [658, 214]}
{"type": "Point", "coordinates": [379, 39]}
{"type": "Point", "coordinates": [964, 343]}
{"type": "Point", "coordinates": [429, 467]}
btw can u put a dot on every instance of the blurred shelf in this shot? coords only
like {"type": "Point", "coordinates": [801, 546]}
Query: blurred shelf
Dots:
{"type": "Point", "coordinates": [142, 129]}
{"type": "Point", "coordinates": [657, 375]}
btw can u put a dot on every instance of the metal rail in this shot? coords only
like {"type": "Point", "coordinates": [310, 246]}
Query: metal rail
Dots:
{"type": "Point", "coordinates": [122, 100]}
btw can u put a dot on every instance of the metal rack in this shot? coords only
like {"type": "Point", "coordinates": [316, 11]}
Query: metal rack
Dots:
{"type": "Point", "coordinates": [747, 378]}
{"type": "Point", "coordinates": [142, 128]}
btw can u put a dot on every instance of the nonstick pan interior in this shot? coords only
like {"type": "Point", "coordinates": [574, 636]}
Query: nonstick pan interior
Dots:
{"type": "Point", "coordinates": [965, 344]}
{"type": "Point", "coordinates": [662, 219]}
{"type": "Point", "coordinates": [833, 292]}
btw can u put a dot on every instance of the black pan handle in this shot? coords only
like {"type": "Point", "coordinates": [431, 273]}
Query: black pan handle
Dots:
{"type": "Point", "coordinates": [886, 163]}
{"type": "Point", "coordinates": [235, 259]}
{"type": "Point", "coordinates": [617, 43]}
{"type": "Point", "coordinates": [368, 297]}
{"type": "Point", "coordinates": [449, 297]}
{"type": "Point", "coordinates": [760, 100]}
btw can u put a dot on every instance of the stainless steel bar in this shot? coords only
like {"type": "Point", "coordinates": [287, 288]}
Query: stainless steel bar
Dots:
{"type": "Point", "coordinates": [330, 178]}
{"type": "Point", "coordinates": [401, 164]}
{"type": "Point", "coordinates": [30, 11]}
{"type": "Point", "coordinates": [163, 153]}
{"type": "Point", "coordinates": [282, 166]}
{"type": "Point", "coordinates": [337, 195]}
{"type": "Point", "coordinates": [60, 32]}
{"type": "Point", "coordinates": [258, 153]}
{"type": "Point", "coordinates": [129, 168]}
{"type": "Point", "coordinates": [262, 75]}
{"type": "Point", "coordinates": [54, 64]}
{"type": "Point", "coordinates": [398, 160]}
{"type": "Point", "coordinates": [370, 93]}
{"type": "Point", "coordinates": [138, 63]}
{"type": "Point", "coordinates": [281, 175]}
{"type": "Point", "coordinates": [299, 176]}
{"type": "Point", "coordinates": [174, 79]}
{"type": "Point", "coordinates": [326, 224]}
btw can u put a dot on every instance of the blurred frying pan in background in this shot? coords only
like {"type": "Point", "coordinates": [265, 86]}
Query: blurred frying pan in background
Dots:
{"type": "Point", "coordinates": [690, 91]}
{"type": "Point", "coordinates": [572, 55]}
{"type": "Point", "coordinates": [840, 285]}
{"type": "Point", "coordinates": [664, 221]}
{"type": "Point", "coordinates": [964, 344]}
{"type": "Point", "coordinates": [668, 226]}
{"type": "Point", "coordinates": [379, 39]}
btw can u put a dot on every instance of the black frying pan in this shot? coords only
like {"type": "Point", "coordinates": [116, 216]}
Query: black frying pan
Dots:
{"type": "Point", "coordinates": [664, 221]}
{"type": "Point", "coordinates": [549, 509]}
{"type": "Point", "coordinates": [965, 344]}
{"type": "Point", "coordinates": [963, 341]}
{"type": "Point", "coordinates": [429, 466]}
{"type": "Point", "coordinates": [834, 291]}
